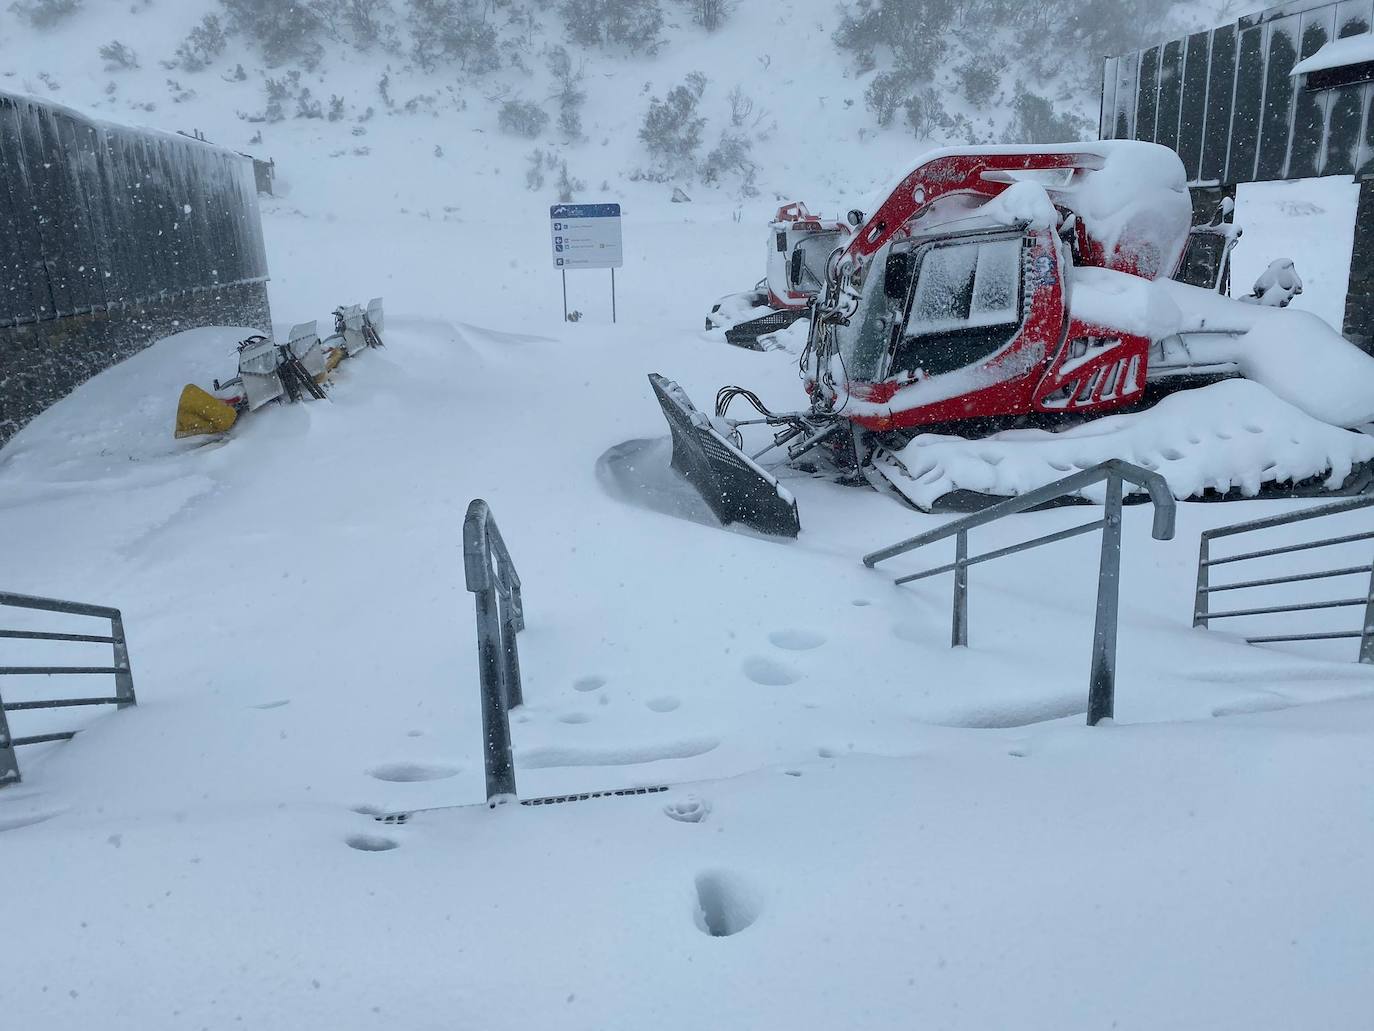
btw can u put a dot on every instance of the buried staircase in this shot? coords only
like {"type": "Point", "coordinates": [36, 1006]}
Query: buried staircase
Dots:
{"type": "Point", "coordinates": [492, 578]}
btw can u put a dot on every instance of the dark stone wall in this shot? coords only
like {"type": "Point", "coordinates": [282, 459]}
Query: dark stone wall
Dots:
{"type": "Point", "coordinates": [42, 362]}
{"type": "Point", "coordinates": [1359, 299]}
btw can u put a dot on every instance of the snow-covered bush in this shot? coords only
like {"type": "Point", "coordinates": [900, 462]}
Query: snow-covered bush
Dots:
{"type": "Point", "coordinates": [709, 14]}
{"type": "Point", "coordinates": [925, 112]}
{"type": "Point", "coordinates": [283, 30]}
{"type": "Point", "coordinates": [733, 155]}
{"type": "Point", "coordinates": [1034, 120]}
{"type": "Point", "coordinates": [915, 32]}
{"type": "Point", "coordinates": [118, 57]}
{"type": "Point", "coordinates": [633, 24]}
{"type": "Point", "coordinates": [887, 92]}
{"type": "Point", "coordinates": [522, 117]}
{"type": "Point", "coordinates": [672, 128]}
{"type": "Point", "coordinates": [568, 187]}
{"type": "Point", "coordinates": [979, 78]}
{"type": "Point", "coordinates": [42, 14]}
{"type": "Point", "coordinates": [454, 31]}
{"type": "Point", "coordinates": [360, 23]}
{"type": "Point", "coordinates": [202, 45]}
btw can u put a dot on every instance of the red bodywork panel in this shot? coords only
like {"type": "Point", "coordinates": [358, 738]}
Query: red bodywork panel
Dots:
{"type": "Point", "coordinates": [1052, 362]}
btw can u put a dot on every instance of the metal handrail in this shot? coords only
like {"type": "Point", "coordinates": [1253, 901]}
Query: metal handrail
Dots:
{"type": "Point", "coordinates": [1102, 677]}
{"type": "Point", "coordinates": [491, 577]}
{"type": "Point", "coordinates": [1203, 614]}
{"type": "Point", "coordinates": [120, 669]}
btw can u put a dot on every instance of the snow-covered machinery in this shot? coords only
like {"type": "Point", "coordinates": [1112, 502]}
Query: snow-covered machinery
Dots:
{"type": "Point", "coordinates": [268, 371]}
{"type": "Point", "coordinates": [1000, 298]}
{"type": "Point", "coordinates": [799, 245]}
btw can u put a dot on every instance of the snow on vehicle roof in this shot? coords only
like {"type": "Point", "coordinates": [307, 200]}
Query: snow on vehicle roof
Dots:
{"type": "Point", "coordinates": [1338, 54]}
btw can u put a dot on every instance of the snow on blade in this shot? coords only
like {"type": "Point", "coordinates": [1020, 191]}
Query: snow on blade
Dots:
{"type": "Point", "coordinates": [1233, 435]}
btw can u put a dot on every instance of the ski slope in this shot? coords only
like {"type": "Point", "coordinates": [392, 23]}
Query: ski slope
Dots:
{"type": "Point", "coordinates": [896, 832]}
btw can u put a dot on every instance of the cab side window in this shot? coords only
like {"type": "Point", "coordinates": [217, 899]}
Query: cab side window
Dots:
{"type": "Point", "coordinates": [965, 306]}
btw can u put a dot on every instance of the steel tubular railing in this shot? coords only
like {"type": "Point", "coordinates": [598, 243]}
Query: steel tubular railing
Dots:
{"type": "Point", "coordinates": [1102, 677]}
{"type": "Point", "coordinates": [492, 578]}
{"type": "Point", "coordinates": [1203, 614]}
{"type": "Point", "coordinates": [119, 669]}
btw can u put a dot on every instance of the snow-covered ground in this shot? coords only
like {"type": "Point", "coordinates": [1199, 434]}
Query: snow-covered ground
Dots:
{"type": "Point", "coordinates": [890, 833]}
{"type": "Point", "coordinates": [914, 834]}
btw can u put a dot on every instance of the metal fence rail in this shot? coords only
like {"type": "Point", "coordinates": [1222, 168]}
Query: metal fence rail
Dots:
{"type": "Point", "coordinates": [119, 669]}
{"type": "Point", "coordinates": [1203, 613]}
{"type": "Point", "coordinates": [1102, 678]}
{"type": "Point", "coordinates": [491, 576]}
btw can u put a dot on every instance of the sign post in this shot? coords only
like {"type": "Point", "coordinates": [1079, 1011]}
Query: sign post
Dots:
{"type": "Point", "coordinates": [586, 236]}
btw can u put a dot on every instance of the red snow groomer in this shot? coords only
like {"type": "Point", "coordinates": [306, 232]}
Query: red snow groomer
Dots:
{"type": "Point", "coordinates": [799, 245]}
{"type": "Point", "coordinates": [998, 294]}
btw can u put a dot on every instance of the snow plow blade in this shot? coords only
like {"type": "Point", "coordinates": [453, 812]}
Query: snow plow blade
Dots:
{"type": "Point", "coordinates": [200, 412]}
{"type": "Point", "coordinates": [735, 488]}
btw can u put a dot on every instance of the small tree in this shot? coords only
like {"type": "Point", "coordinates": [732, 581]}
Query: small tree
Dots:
{"type": "Point", "coordinates": [203, 44]}
{"type": "Point", "coordinates": [522, 118]}
{"type": "Point", "coordinates": [709, 14]}
{"type": "Point", "coordinates": [887, 92]}
{"type": "Point", "coordinates": [633, 24]}
{"type": "Point", "coordinates": [284, 30]}
{"type": "Point", "coordinates": [568, 92]}
{"type": "Point", "coordinates": [453, 31]}
{"type": "Point", "coordinates": [672, 127]}
{"type": "Point", "coordinates": [362, 24]}
{"type": "Point", "coordinates": [118, 57]}
{"type": "Point", "coordinates": [979, 78]}
{"type": "Point", "coordinates": [1034, 120]}
{"type": "Point", "coordinates": [925, 112]}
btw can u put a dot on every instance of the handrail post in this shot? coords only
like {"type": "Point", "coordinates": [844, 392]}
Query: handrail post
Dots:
{"type": "Point", "coordinates": [124, 680]}
{"type": "Point", "coordinates": [498, 661]}
{"type": "Point", "coordinates": [1102, 679]}
{"type": "Point", "coordinates": [1367, 631]}
{"type": "Point", "coordinates": [510, 656]}
{"type": "Point", "coordinates": [1200, 601]}
{"type": "Point", "coordinates": [9, 762]}
{"type": "Point", "coordinates": [959, 635]}
{"type": "Point", "coordinates": [498, 760]}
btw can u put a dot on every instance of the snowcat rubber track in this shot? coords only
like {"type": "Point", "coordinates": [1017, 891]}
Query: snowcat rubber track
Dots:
{"type": "Point", "coordinates": [746, 334]}
{"type": "Point", "coordinates": [737, 489]}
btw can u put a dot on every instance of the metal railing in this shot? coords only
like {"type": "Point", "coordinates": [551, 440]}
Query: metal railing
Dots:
{"type": "Point", "coordinates": [119, 669]}
{"type": "Point", "coordinates": [1102, 677]}
{"type": "Point", "coordinates": [491, 576]}
{"type": "Point", "coordinates": [1203, 614]}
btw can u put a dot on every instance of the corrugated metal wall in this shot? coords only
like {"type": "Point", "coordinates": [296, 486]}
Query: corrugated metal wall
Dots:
{"type": "Point", "coordinates": [1226, 102]}
{"type": "Point", "coordinates": [94, 217]}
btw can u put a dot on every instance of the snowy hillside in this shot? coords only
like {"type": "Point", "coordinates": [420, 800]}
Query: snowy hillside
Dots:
{"type": "Point", "coordinates": [861, 826]}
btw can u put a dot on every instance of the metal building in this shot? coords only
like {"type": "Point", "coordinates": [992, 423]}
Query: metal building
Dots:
{"type": "Point", "coordinates": [111, 238]}
{"type": "Point", "coordinates": [1238, 108]}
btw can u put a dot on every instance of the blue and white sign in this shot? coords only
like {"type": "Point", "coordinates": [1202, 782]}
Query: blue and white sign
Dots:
{"type": "Point", "coordinates": [586, 236]}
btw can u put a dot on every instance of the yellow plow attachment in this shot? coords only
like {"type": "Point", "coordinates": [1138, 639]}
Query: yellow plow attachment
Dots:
{"type": "Point", "coordinates": [200, 412]}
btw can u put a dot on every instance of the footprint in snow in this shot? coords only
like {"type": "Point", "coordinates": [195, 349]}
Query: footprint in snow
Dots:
{"type": "Point", "coordinates": [769, 672]}
{"type": "Point", "coordinates": [411, 772]}
{"type": "Point", "coordinates": [589, 684]}
{"type": "Point", "coordinates": [574, 717]}
{"type": "Point", "coordinates": [690, 809]}
{"type": "Point", "coordinates": [796, 640]}
{"type": "Point", "coordinates": [664, 703]}
{"type": "Point", "coordinates": [370, 843]}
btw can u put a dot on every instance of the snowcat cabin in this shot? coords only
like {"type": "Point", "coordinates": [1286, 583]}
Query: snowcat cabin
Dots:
{"type": "Point", "coordinates": [942, 304]}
